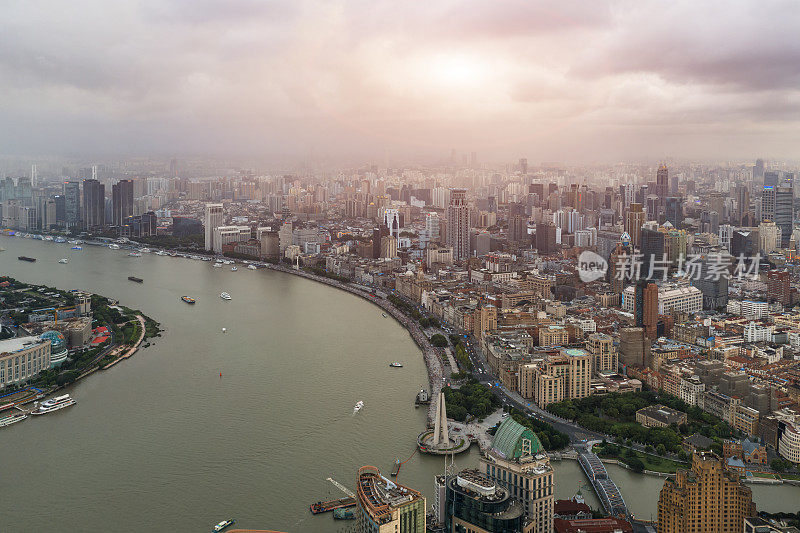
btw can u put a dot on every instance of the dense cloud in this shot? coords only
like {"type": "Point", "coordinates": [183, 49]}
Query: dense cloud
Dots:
{"type": "Point", "coordinates": [548, 80]}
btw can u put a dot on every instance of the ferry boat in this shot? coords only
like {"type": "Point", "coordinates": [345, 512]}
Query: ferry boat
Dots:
{"type": "Point", "coordinates": [222, 525]}
{"type": "Point", "coordinates": [359, 406]}
{"type": "Point", "coordinates": [225, 296]}
{"type": "Point", "coordinates": [396, 364]}
{"type": "Point", "coordinates": [60, 240]}
{"type": "Point", "coordinates": [135, 254]}
{"type": "Point", "coordinates": [134, 278]}
{"type": "Point", "coordinates": [234, 269]}
{"type": "Point", "coordinates": [217, 265]}
{"type": "Point", "coordinates": [54, 404]}
{"type": "Point", "coordinates": [26, 258]}
{"type": "Point", "coordinates": [113, 246]}
{"type": "Point", "coordinates": [188, 299]}
{"type": "Point", "coordinates": [12, 419]}
{"type": "Point", "coordinates": [145, 250]}
{"type": "Point", "coordinates": [63, 261]}
{"type": "Point", "coordinates": [252, 267]}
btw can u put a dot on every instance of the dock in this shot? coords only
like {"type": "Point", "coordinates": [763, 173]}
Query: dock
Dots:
{"type": "Point", "coordinates": [330, 505]}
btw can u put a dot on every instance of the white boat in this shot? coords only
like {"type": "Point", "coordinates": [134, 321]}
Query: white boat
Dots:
{"type": "Point", "coordinates": [217, 265]}
{"type": "Point", "coordinates": [222, 525]}
{"type": "Point", "coordinates": [48, 238]}
{"type": "Point", "coordinates": [145, 250]}
{"type": "Point", "coordinates": [12, 419]}
{"type": "Point", "coordinates": [113, 246]}
{"type": "Point", "coordinates": [227, 262]}
{"type": "Point", "coordinates": [396, 364]}
{"type": "Point", "coordinates": [161, 252]}
{"type": "Point", "coordinates": [383, 315]}
{"type": "Point", "coordinates": [54, 404]}
{"type": "Point", "coordinates": [225, 296]}
{"type": "Point", "coordinates": [359, 406]}
{"type": "Point", "coordinates": [76, 248]}
{"type": "Point", "coordinates": [60, 240]}
{"type": "Point", "coordinates": [135, 254]}
{"type": "Point", "coordinates": [63, 261]}
{"type": "Point", "coordinates": [234, 269]}
{"type": "Point", "coordinates": [219, 261]}
{"type": "Point", "coordinates": [252, 267]}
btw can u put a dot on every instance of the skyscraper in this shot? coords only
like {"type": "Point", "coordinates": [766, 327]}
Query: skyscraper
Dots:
{"type": "Point", "coordinates": [94, 204]}
{"type": "Point", "coordinates": [517, 223]}
{"type": "Point", "coordinates": [674, 211]}
{"type": "Point", "coordinates": [458, 224]}
{"type": "Point", "coordinates": [634, 219]}
{"type": "Point", "coordinates": [474, 502]}
{"type": "Point", "coordinates": [662, 183]}
{"type": "Point", "coordinates": [214, 217]}
{"type": "Point", "coordinates": [122, 201]}
{"type": "Point", "coordinates": [708, 498]}
{"type": "Point", "coordinates": [72, 204]}
{"type": "Point", "coordinates": [546, 238]}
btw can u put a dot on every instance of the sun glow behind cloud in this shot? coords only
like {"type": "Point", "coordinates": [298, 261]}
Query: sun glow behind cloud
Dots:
{"type": "Point", "coordinates": [570, 80]}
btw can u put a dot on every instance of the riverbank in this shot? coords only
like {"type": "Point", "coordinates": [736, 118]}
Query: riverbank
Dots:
{"type": "Point", "coordinates": [111, 336]}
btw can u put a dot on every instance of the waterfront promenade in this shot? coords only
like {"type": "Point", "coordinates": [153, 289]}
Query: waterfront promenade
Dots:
{"type": "Point", "coordinates": [432, 360]}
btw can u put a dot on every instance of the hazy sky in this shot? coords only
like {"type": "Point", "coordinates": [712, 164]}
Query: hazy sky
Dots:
{"type": "Point", "coordinates": [562, 80]}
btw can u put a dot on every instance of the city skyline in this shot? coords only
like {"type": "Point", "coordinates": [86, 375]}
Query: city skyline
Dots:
{"type": "Point", "coordinates": [284, 80]}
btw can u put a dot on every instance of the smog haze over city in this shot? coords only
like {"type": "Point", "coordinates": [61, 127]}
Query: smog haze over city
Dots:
{"type": "Point", "coordinates": [372, 266]}
{"type": "Point", "coordinates": [552, 81]}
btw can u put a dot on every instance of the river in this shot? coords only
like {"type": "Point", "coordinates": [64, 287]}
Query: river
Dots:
{"type": "Point", "coordinates": [162, 442]}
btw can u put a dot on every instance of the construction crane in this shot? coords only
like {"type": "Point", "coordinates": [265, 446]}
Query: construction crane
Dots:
{"type": "Point", "coordinates": [342, 487]}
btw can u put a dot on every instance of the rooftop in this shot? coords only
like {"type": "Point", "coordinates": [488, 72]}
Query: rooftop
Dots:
{"type": "Point", "coordinates": [18, 343]}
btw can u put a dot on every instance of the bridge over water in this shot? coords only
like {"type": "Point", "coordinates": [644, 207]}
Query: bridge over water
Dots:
{"type": "Point", "coordinates": [608, 492]}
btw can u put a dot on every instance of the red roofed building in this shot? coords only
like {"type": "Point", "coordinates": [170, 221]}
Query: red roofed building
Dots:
{"type": "Point", "coordinates": [100, 340]}
{"type": "Point", "coordinates": [592, 525]}
{"type": "Point", "coordinates": [571, 510]}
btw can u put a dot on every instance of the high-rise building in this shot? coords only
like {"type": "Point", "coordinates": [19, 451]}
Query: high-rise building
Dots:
{"type": "Point", "coordinates": [650, 310]}
{"type": "Point", "coordinates": [662, 183]}
{"type": "Point", "coordinates": [72, 204]}
{"type": "Point", "coordinates": [758, 170]}
{"type": "Point", "coordinates": [214, 218]}
{"type": "Point", "coordinates": [94, 204]}
{"type": "Point", "coordinates": [432, 227]}
{"type": "Point", "coordinates": [673, 211]}
{"type": "Point", "coordinates": [778, 286]}
{"type": "Point", "coordinates": [546, 238]}
{"type": "Point", "coordinates": [458, 229]}
{"type": "Point", "coordinates": [517, 462]}
{"type": "Point", "coordinates": [122, 201]}
{"type": "Point", "coordinates": [517, 223]}
{"type": "Point", "coordinates": [384, 506]}
{"type": "Point", "coordinates": [603, 351]}
{"type": "Point", "coordinates": [634, 219]}
{"type": "Point", "coordinates": [474, 502]}
{"type": "Point", "coordinates": [784, 213]}
{"type": "Point", "coordinates": [712, 283]}
{"type": "Point", "coordinates": [706, 499]}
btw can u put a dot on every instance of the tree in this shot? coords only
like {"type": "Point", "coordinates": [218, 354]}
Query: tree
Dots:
{"type": "Point", "coordinates": [439, 340]}
{"type": "Point", "coordinates": [636, 464]}
{"type": "Point", "coordinates": [661, 449]}
{"type": "Point", "coordinates": [777, 465]}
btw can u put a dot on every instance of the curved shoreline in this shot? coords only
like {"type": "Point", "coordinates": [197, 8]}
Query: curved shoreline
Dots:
{"type": "Point", "coordinates": [431, 358]}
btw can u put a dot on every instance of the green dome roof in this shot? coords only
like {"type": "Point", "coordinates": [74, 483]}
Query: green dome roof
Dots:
{"type": "Point", "coordinates": [509, 439]}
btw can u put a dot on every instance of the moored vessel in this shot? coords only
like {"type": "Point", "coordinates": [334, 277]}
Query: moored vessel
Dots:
{"type": "Point", "coordinates": [26, 258]}
{"type": "Point", "coordinates": [234, 269]}
{"type": "Point", "coordinates": [54, 404]}
{"type": "Point", "coordinates": [13, 419]}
